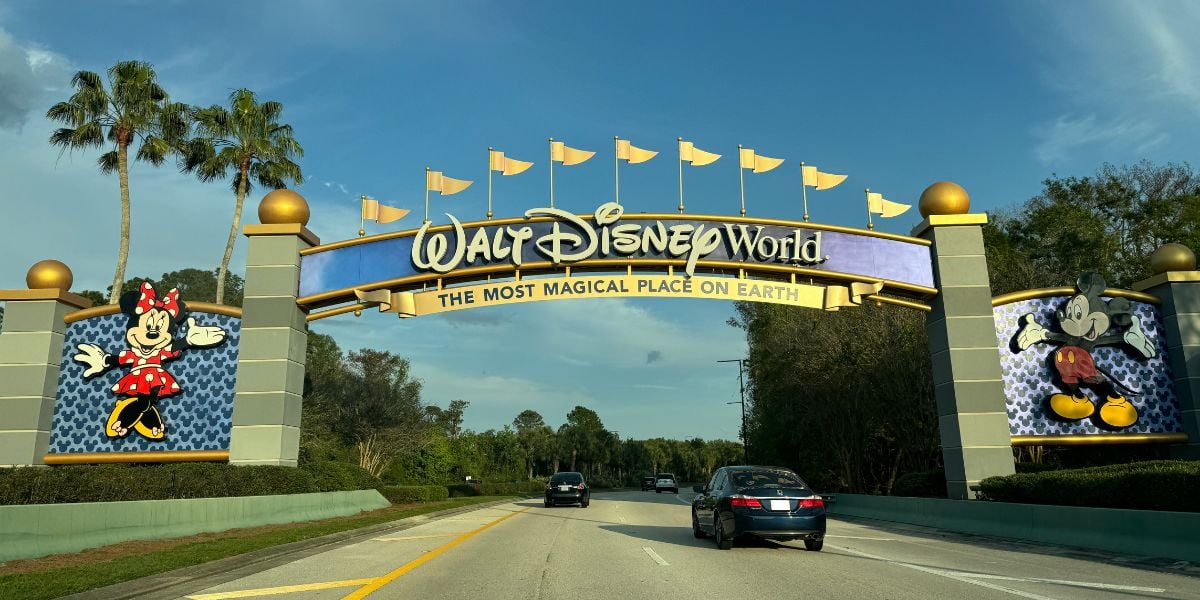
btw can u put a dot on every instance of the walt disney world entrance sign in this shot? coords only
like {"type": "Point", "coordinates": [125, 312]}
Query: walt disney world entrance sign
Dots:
{"type": "Point", "coordinates": [552, 254]}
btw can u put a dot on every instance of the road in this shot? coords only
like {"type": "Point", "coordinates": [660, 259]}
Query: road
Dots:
{"type": "Point", "coordinates": [633, 545]}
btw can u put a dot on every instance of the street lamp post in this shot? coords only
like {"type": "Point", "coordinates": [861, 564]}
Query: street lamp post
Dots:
{"type": "Point", "coordinates": [742, 392]}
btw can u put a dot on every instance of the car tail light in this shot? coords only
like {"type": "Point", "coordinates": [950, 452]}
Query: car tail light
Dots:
{"type": "Point", "coordinates": [746, 501]}
{"type": "Point", "coordinates": [581, 486]}
{"type": "Point", "coordinates": [549, 487]}
{"type": "Point", "coordinates": [814, 502]}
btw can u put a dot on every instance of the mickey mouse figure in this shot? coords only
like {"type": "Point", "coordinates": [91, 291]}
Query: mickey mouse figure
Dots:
{"type": "Point", "coordinates": [1088, 321]}
{"type": "Point", "coordinates": [150, 333]}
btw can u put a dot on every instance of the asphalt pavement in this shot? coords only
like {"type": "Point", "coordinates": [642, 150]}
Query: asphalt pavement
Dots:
{"type": "Point", "coordinates": [632, 545]}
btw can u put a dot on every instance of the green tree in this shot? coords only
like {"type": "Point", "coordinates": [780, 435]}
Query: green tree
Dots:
{"type": "Point", "coordinates": [247, 140]}
{"type": "Point", "coordinates": [582, 436]}
{"type": "Point", "coordinates": [448, 420]}
{"type": "Point", "coordinates": [379, 410]}
{"type": "Point", "coordinates": [133, 109]}
{"type": "Point", "coordinates": [535, 437]}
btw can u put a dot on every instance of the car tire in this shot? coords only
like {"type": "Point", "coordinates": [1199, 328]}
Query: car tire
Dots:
{"type": "Point", "coordinates": [723, 542]}
{"type": "Point", "coordinates": [657, 491]}
{"type": "Point", "coordinates": [585, 503]}
{"type": "Point", "coordinates": [696, 531]}
{"type": "Point", "coordinates": [547, 503]}
{"type": "Point", "coordinates": [814, 545]}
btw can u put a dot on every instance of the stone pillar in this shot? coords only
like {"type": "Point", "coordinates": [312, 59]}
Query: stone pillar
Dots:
{"type": "Point", "coordinates": [274, 336]}
{"type": "Point", "coordinates": [31, 348]}
{"type": "Point", "coordinates": [972, 413]}
{"type": "Point", "coordinates": [1177, 283]}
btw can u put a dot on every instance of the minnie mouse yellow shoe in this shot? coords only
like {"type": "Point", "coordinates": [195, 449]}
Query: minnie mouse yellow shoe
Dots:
{"type": "Point", "coordinates": [113, 427]}
{"type": "Point", "coordinates": [1071, 408]}
{"type": "Point", "coordinates": [1118, 412]}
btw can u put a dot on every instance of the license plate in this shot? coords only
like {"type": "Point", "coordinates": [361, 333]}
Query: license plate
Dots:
{"type": "Point", "coordinates": [564, 488]}
{"type": "Point", "coordinates": [781, 504]}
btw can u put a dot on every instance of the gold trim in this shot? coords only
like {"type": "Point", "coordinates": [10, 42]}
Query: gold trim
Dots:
{"type": "Point", "coordinates": [945, 220]}
{"type": "Point", "coordinates": [1168, 277]}
{"type": "Point", "coordinates": [1098, 439]}
{"type": "Point", "coordinates": [282, 229]}
{"type": "Point", "coordinates": [112, 309]}
{"type": "Point", "coordinates": [901, 302]}
{"type": "Point", "coordinates": [333, 312]}
{"type": "Point", "coordinates": [464, 275]}
{"type": "Point", "coordinates": [632, 217]}
{"type": "Point", "coordinates": [81, 458]}
{"type": "Point", "coordinates": [1011, 297]}
{"type": "Point", "coordinates": [46, 294]}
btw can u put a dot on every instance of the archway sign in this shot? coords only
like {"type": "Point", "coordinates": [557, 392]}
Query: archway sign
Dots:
{"type": "Point", "coordinates": [1082, 364]}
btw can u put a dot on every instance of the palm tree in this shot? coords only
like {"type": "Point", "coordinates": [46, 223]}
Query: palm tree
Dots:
{"type": "Point", "coordinates": [248, 139]}
{"type": "Point", "coordinates": [133, 108]}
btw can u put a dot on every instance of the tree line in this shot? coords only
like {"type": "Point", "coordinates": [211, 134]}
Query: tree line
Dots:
{"type": "Point", "coordinates": [846, 398]}
{"type": "Point", "coordinates": [365, 406]}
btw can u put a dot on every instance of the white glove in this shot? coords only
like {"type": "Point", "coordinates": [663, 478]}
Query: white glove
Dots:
{"type": "Point", "coordinates": [93, 356]}
{"type": "Point", "coordinates": [201, 336]}
{"type": "Point", "coordinates": [1030, 332]}
{"type": "Point", "coordinates": [1136, 338]}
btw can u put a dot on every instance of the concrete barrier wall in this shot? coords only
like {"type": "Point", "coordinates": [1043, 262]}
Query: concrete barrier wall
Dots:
{"type": "Point", "coordinates": [34, 530]}
{"type": "Point", "coordinates": [1141, 532]}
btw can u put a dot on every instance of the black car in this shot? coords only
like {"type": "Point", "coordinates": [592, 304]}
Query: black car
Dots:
{"type": "Point", "coordinates": [767, 502]}
{"type": "Point", "coordinates": [647, 483]}
{"type": "Point", "coordinates": [567, 488]}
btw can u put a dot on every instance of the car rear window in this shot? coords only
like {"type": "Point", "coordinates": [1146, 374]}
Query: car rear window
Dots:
{"type": "Point", "coordinates": [666, 476]}
{"type": "Point", "coordinates": [573, 478]}
{"type": "Point", "coordinates": [766, 479]}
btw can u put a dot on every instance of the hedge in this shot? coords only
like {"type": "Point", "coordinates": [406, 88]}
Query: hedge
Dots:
{"type": "Point", "coordinates": [111, 483]}
{"type": "Point", "coordinates": [496, 489]}
{"type": "Point", "coordinates": [405, 494]}
{"type": "Point", "coordinates": [932, 484]}
{"type": "Point", "coordinates": [1153, 485]}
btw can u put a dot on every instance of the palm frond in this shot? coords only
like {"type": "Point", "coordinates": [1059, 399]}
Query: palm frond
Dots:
{"type": "Point", "coordinates": [108, 162]}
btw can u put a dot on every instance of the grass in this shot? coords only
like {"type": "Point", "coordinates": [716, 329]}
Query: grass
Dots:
{"type": "Point", "coordinates": [140, 559]}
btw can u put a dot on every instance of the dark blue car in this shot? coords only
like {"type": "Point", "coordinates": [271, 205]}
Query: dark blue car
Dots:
{"type": "Point", "coordinates": [767, 502]}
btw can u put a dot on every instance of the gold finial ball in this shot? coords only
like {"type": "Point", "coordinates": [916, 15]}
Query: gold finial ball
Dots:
{"type": "Point", "coordinates": [283, 206]}
{"type": "Point", "coordinates": [49, 275]}
{"type": "Point", "coordinates": [944, 198]}
{"type": "Point", "coordinates": [1172, 257]}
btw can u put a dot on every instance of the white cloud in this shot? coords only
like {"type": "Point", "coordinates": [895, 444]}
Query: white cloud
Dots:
{"type": "Point", "coordinates": [1060, 138]}
{"type": "Point", "coordinates": [26, 73]}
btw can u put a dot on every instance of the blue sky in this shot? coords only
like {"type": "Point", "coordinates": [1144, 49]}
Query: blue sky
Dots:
{"type": "Point", "coordinates": [996, 96]}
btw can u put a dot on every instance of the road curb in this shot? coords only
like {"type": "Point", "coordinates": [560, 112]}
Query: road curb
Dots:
{"type": "Point", "coordinates": [185, 580]}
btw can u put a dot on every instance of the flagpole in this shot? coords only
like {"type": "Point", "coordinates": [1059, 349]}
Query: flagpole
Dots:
{"type": "Point", "coordinates": [551, 172]}
{"type": "Point", "coordinates": [804, 191]}
{"type": "Point", "coordinates": [741, 180]}
{"type": "Point", "coordinates": [362, 217]}
{"type": "Point", "coordinates": [870, 224]}
{"type": "Point", "coordinates": [680, 141]}
{"type": "Point", "coordinates": [426, 194]}
{"type": "Point", "coordinates": [616, 171]}
{"type": "Point", "coordinates": [489, 213]}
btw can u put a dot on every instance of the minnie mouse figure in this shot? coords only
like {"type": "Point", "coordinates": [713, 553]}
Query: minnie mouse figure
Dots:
{"type": "Point", "coordinates": [150, 333]}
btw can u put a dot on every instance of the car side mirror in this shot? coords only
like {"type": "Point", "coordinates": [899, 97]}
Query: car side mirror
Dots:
{"type": "Point", "coordinates": [699, 489]}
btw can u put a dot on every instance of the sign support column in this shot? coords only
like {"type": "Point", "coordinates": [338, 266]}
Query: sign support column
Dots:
{"type": "Point", "coordinates": [1177, 283]}
{"type": "Point", "coordinates": [972, 413]}
{"type": "Point", "coordinates": [31, 350]}
{"type": "Point", "coordinates": [274, 336]}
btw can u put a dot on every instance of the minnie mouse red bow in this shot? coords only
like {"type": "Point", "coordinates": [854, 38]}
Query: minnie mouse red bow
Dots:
{"type": "Point", "coordinates": [149, 299]}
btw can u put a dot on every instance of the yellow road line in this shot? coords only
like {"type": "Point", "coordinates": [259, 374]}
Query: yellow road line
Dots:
{"type": "Point", "coordinates": [415, 537]}
{"type": "Point", "coordinates": [287, 589]}
{"type": "Point", "coordinates": [386, 579]}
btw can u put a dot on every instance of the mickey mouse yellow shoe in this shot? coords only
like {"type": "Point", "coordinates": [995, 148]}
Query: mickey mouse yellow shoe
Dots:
{"type": "Point", "coordinates": [1118, 412]}
{"type": "Point", "coordinates": [1071, 408]}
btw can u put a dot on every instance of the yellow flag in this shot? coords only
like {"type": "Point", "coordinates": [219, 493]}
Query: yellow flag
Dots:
{"type": "Point", "coordinates": [819, 180]}
{"type": "Point", "coordinates": [883, 207]}
{"type": "Point", "coordinates": [382, 213]}
{"type": "Point", "coordinates": [760, 164]}
{"type": "Point", "coordinates": [436, 182]}
{"type": "Point", "coordinates": [633, 154]}
{"type": "Point", "coordinates": [507, 166]}
{"type": "Point", "coordinates": [567, 155]}
{"type": "Point", "coordinates": [690, 153]}
{"type": "Point", "coordinates": [839, 296]}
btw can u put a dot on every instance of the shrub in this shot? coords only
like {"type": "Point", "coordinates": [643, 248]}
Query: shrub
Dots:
{"type": "Point", "coordinates": [460, 490]}
{"type": "Point", "coordinates": [511, 489]}
{"type": "Point", "coordinates": [1154, 485]}
{"type": "Point", "coordinates": [923, 484]}
{"type": "Point", "coordinates": [111, 483]}
{"type": "Point", "coordinates": [403, 494]}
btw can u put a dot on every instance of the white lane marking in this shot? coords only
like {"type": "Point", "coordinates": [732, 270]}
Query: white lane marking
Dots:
{"type": "Point", "coordinates": [856, 537]}
{"type": "Point", "coordinates": [687, 502]}
{"type": "Point", "coordinates": [948, 575]}
{"type": "Point", "coordinates": [658, 559]}
{"type": "Point", "coordinates": [1087, 584]}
